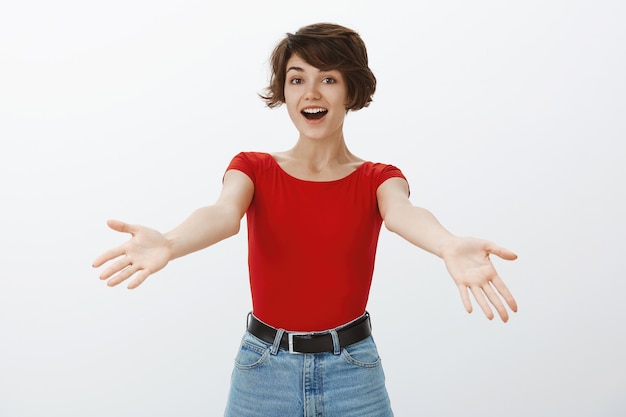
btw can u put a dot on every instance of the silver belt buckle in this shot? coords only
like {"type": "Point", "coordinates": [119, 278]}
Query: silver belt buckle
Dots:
{"type": "Point", "coordinates": [290, 336]}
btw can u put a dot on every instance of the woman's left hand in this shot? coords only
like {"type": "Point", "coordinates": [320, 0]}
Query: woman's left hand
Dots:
{"type": "Point", "coordinates": [468, 262]}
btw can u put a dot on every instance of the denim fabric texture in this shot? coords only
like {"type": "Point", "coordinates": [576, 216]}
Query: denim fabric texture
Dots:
{"type": "Point", "coordinates": [271, 382]}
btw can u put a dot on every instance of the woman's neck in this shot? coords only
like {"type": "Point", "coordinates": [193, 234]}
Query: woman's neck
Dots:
{"type": "Point", "coordinates": [318, 160]}
{"type": "Point", "coordinates": [319, 155]}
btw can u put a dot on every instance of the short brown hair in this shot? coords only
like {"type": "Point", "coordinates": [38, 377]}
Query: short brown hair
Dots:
{"type": "Point", "coordinates": [325, 46]}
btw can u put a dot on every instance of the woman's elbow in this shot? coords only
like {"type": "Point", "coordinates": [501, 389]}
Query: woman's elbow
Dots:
{"type": "Point", "coordinates": [391, 222]}
{"type": "Point", "coordinates": [231, 223]}
{"type": "Point", "coordinates": [233, 226]}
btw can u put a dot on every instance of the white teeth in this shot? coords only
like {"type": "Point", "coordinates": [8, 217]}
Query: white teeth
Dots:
{"type": "Point", "coordinates": [313, 111]}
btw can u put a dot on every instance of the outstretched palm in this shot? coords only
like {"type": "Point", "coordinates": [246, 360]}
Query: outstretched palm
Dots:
{"type": "Point", "coordinates": [145, 253]}
{"type": "Point", "coordinates": [468, 262]}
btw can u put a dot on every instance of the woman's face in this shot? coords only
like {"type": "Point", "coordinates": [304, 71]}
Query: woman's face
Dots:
{"type": "Point", "coordinates": [316, 100]}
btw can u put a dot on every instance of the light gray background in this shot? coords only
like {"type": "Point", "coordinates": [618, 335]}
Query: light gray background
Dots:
{"type": "Point", "coordinates": [506, 117]}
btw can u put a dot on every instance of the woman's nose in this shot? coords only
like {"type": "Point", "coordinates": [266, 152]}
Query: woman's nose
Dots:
{"type": "Point", "coordinates": [312, 91]}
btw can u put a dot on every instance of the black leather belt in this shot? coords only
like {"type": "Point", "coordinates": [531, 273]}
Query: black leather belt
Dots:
{"type": "Point", "coordinates": [314, 342]}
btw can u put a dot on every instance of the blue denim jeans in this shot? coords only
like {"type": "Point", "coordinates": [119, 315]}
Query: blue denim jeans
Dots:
{"type": "Point", "coordinates": [268, 381]}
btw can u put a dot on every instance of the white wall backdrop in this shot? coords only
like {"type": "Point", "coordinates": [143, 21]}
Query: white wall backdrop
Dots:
{"type": "Point", "coordinates": [507, 118]}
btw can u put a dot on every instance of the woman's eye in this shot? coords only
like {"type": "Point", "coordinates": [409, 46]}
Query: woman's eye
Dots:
{"type": "Point", "coordinates": [329, 80]}
{"type": "Point", "coordinates": [296, 81]}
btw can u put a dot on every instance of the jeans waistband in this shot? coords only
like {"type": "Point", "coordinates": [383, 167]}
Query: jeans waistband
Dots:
{"type": "Point", "coordinates": [313, 342]}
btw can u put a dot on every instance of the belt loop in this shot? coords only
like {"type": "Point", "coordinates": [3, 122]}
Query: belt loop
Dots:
{"type": "Point", "coordinates": [336, 346]}
{"type": "Point", "coordinates": [277, 339]}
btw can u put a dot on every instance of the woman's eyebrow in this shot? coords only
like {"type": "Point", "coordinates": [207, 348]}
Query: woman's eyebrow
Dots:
{"type": "Point", "coordinates": [300, 69]}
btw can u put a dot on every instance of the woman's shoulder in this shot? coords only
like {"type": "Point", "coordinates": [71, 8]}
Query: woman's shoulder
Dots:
{"type": "Point", "coordinates": [253, 158]}
{"type": "Point", "coordinates": [251, 163]}
{"type": "Point", "coordinates": [253, 155]}
{"type": "Point", "coordinates": [379, 172]}
{"type": "Point", "coordinates": [377, 167]}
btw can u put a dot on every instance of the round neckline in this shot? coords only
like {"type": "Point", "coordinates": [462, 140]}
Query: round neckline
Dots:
{"type": "Point", "coordinates": [275, 162]}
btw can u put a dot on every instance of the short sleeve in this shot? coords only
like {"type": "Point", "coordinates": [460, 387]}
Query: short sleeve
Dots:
{"type": "Point", "coordinates": [389, 171]}
{"type": "Point", "coordinates": [242, 162]}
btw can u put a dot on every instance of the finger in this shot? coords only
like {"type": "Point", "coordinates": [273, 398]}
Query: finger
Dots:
{"type": "Point", "coordinates": [139, 279]}
{"type": "Point", "coordinates": [120, 226]}
{"type": "Point", "coordinates": [501, 252]}
{"type": "Point", "coordinates": [505, 293]}
{"type": "Point", "coordinates": [123, 276]}
{"type": "Point", "coordinates": [479, 296]}
{"type": "Point", "coordinates": [496, 302]}
{"type": "Point", "coordinates": [107, 256]}
{"type": "Point", "coordinates": [118, 266]}
{"type": "Point", "coordinates": [467, 303]}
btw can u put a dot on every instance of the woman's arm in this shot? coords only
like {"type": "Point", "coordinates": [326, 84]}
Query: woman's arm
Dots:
{"type": "Point", "coordinates": [148, 250]}
{"type": "Point", "coordinates": [467, 259]}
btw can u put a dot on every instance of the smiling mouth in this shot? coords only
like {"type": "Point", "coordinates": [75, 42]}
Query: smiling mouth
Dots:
{"type": "Point", "coordinates": [314, 113]}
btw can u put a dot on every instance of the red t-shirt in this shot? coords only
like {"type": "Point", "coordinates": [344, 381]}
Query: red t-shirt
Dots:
{"type": "Point", "coordinates": [311, 245]}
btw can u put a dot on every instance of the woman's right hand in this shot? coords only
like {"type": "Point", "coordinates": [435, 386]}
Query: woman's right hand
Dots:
{"type": "Point", "coordinates": [145, 253]}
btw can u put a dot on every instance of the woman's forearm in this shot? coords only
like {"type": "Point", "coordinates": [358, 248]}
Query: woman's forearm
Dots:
{"type": "Point", "coordinates": [420, 227]}
{"type": "Point", "coordinates": [204, 227]}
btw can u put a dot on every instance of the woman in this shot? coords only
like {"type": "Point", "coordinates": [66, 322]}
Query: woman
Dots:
{"type": "Point", "coordinates": [314, 214]}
